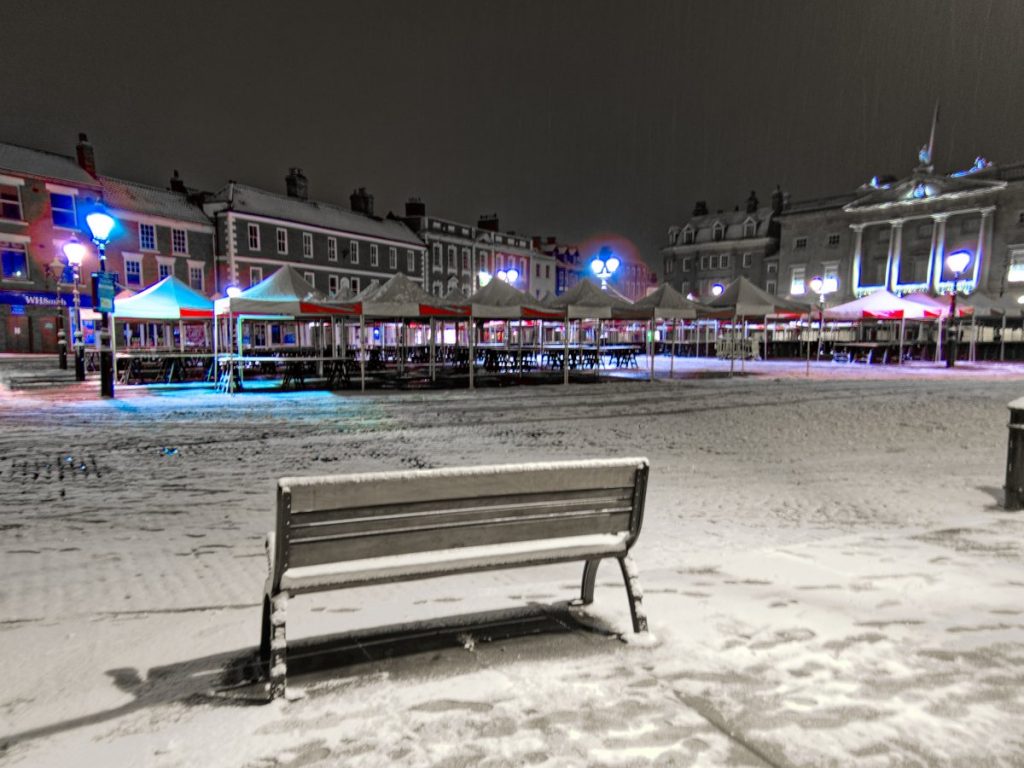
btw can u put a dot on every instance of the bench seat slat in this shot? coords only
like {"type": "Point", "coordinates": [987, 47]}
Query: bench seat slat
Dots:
{"type": "Point", "coordinates": [437, 563]}
{"type": "Point", "coordinates": [441, 518]}
{"type": "Point", "coordinates": [303, 553]}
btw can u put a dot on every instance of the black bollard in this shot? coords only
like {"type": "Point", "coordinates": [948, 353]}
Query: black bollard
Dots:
{"type": "Point", "coordinates": [1014, 488]}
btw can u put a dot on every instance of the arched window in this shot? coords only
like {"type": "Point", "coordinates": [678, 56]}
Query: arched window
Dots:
{"type": "Point", "coordinates": [718, 231]}
{"type": "Point", "coordinates": [749, 228]}
{"type": "Point", "coordinates": [688, 235]}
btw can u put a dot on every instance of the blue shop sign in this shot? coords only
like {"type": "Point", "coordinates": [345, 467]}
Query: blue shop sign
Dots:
{"type": "Point", "coordinates": [41, 299]}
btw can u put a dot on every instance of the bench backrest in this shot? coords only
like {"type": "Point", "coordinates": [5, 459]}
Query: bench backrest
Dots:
{"type": "Point", "coordinates": [351, 517]}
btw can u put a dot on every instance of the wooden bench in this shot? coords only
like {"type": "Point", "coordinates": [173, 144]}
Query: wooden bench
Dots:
{"type": "Point", "coordinates": [355, 530]}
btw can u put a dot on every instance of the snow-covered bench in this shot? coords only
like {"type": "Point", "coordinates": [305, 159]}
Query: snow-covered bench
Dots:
{"type": "Point", "coordinates": [354, 530]}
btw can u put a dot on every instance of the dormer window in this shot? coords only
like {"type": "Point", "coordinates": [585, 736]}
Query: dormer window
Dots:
{"type": "Point", "coordinates": [718, 231]}
{"type": "Point", "coordinates": [688, 235]}
{"type": "Point", "coordinates": [749, 228]}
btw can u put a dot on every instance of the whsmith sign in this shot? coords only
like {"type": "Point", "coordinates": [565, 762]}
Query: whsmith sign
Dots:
{"type": "Point", "coordinates": [54, 300]}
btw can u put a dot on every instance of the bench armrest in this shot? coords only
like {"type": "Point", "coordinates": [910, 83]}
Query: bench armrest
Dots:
{"type": "Point", "coordinates": [270, 546]}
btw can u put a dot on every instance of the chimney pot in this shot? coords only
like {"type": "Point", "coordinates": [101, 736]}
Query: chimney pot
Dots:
{"type": "Point", "coordinates": [296, 184]}
{"type": "Point", "coordinates": [86, 155]}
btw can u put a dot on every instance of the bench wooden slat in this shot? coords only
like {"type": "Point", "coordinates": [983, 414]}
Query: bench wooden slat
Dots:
{"type": "Point", "coordinates": [461, 510]}
{"type": "Point", "coordinates": [374, 489]}
{"type": "Point", "coordinates": [316, 552]}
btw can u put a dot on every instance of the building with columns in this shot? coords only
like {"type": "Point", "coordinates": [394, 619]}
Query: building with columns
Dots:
{"type": "Point", "coordinates": [896, 233]}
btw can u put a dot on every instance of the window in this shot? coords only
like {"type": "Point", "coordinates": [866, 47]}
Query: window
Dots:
{"type": "Point", "coordinates": [465, 262]}
{"type": "Point", "coordinates": [830, 276]}
{"type": "Point", "coordinates": [332, 249]}
{"type": "Point", "coordinates": [686, 264]}
{"type": "Point", "coordinates": [14, 260]}
{"type": "Point", "coordinates": [332, 284]}
{"type": "Point", "coordinates": [63, 210]}
{"type": "Point", "coordinates": [724, 261]}
{"type": "Point", "coordinates": [704, 261]}
{"type": "Point", "coordinates": [374, 257]}
{"type": "Point", "coordinates": [833, 239]}
{"type": "Point", "coordinates": [669, 264]}
{"type": "Point", "coordinates": [255, 275]}
{"type": "Point", "coordinates": [688, 235]}
{"type": "Point", "coordinates": [310, 278]}
{"type": "Point", "coordinates": [1015, 274]}
{"type": "Point", "coordinates": [164, 269]}
{"type": "Point", "coordinates": [353, 251]}
{"type": "Point", "coordinates": [451, 258]}
{"type": "Point", "coordinates": [195, 278]}
{"type": "Point", "coordinates": [10, 202]}
{"type": "Point", "coordinates": [749, 228]}
{"type": "Point", "coordinates": [392, 258]}
{"type": "Point", "coordinates": [748, 259]}
{"type": "Point", "coordinates": [796, 281]}
{"type": "Point", "coordinates": [769, 286]}
{"type": "Point", "coordinates": [132, 271]}
{"type": "Point", "coordinates": [1020, 217]}
{"type": "Point", "coordinates": [355, 285]}
{"type": "Point", "coordinates": [714, 262]}
{"type": "Point", "coordinates": [537, 271]}
{"type": "Point", "coordinates": [307, 245]}
{"type": "Point", "coordinates": [772, 268]}
{"type": "Point", "coordinates": [437, 257]}
{"type": "Point", "coordinates": [282, 240]}
{"type": "Point", "coordinates": [800, 242]}
{"type": "Point", "coordinates": [718, 232]}
{"type": "Point", "coordinates": [147, 237]}
{"type": "Point", "coordinates": [547, 271]}
{"type": "Point", "coordinates": [179, 241]}
{"type": "Point", "coordinates": [254, 237]}
{"type": "Point", "coordinates": [410, 262]}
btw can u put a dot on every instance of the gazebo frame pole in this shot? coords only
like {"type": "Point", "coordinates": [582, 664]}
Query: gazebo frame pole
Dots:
{"type": "Point", "coordinates": [1002, 340]}
{"type": "Point", "coordinates": [565, 351]}
{"type": "Point", "coordinates": [650, 347]}
{"type": "Point", "coordinates": [470, 329]}
{"type": "Point", "coordinates": [732, 352]}
{"type": "Point", "coordinates": [672, 357]}
{"type": "Point", "coordinates": [597, 339]}
{"type": "Point", "coordinates": [903, 325]}
{"type": "Point", "coordinates": [433, 366]}
{"type": "Point", "coordinates": [362, 353]}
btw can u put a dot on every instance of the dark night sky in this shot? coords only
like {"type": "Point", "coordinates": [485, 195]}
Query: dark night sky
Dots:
{"type": "Point", "coordinates": [566, 118]}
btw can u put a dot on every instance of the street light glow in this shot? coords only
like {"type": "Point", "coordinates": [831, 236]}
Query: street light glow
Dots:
{"type": "Point", "coordinates": [74, 251]}
{"type": "Point", "coordinates": [232, 291]}
{"type": "Point", "coordinates": [817, 284]}
{"type": "Point", "coordinates": [100, 225]}
{"type": "Point", "coordinates": [957, 261]}
{"type": "Point", "coordinates": [716, 289]}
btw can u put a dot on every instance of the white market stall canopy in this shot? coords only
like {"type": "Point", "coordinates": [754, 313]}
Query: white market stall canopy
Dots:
{"type": "Point", "coordinates": [668, 303]}
{"type": "Point", "coordinates": [400, 297]}
{"type": "Point", "coordinates": [741, 298]}
{"type": "Point", "coordinates": [169, 299]}
{"type": "Point", "coordinates": [500, 301]}
{"type": "Point", "coordinates": [940, 305]}
{"type": "Point", "coordinates": [880, 305]}
{"type": "Point", "coordinates": [586, 301]}
{"type": "Point", "coordinates": [284, 293]}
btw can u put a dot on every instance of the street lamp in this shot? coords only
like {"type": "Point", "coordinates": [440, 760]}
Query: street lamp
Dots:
{"type": "Point", "coordinates": [101, 224]}
{"type": "Point", "coordinates": [74, 252]}
{"type": "Point", "coordinates": [604, 266]}
{"type": "Point", "coordinates": [717, 289]}
{"type": "Point", "coordinates": [957, 263]}
{"type": "Point", "coordinates": [820, 286]}
{"type": "Point", "coordinates": [509, 275]}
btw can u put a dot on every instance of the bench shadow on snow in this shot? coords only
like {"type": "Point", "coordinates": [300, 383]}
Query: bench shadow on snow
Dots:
{"type": "Point", "coordinates": [236, 678]}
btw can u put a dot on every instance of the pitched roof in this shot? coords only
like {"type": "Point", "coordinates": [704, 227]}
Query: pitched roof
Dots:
{"type": "Point", "coordinates": [47, 165]}
{"type": "Point", "coordinates": [733, 221]}
{"type": "Point", "coordinates": [245, 199]}
{"type": "Point", "coordinates": [141, 198]}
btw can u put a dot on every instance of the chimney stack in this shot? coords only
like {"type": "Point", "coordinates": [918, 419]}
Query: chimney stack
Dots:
{"type": "Point", "coordinates": [86, 155]}
{"type": "Point", "coordinates": [415, 207]}
{"type": "Point", "coordinates": [777, 199]}
{"type": "Point", "coordinates": [361, 201]}
{"type": "Point", "coordinates": [701, 208]}
{"type": "Point", "coordinates": [177, 184]}
{"type": "Point", "coordinates": [752, 202]}
{"type": "Point", "coordinates": [296, 184]}
{"type": "Point", "coordinates": [488, 222]}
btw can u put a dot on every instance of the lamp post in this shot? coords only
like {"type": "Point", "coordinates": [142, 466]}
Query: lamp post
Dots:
{"type": "Point", "coordinates": [74, 251]}
{"type": "Point", "coordinates": [820, 286]}
{"type": "Point", "coordinates": [604, 265]}
{"type": "Point", "coordinates": [55, 271]}
{"type": "Point", "coordinates": [101, 224]}
{"type": "Point", "coordinates": [957, 262]}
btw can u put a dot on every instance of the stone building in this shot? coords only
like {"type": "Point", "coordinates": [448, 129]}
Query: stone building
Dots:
{"type": "Point", "coordinates": [337, 249]}
{"type": "Point", "coordinates": [44, 198]}
{"type": "Point", "coordinates": [716, 248]}
{"type": "Point", "coordinates": [897, 233]}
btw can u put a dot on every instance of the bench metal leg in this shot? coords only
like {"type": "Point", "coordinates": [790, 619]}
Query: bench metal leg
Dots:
{"type": "Point", "coordinates": [278, 645]}
{"type": "Point", "coordinates": [265, 636]}
{"type": "Point", "coordinates": [589, 579]}
{"type": "Point", "coordinates": [633, 591]}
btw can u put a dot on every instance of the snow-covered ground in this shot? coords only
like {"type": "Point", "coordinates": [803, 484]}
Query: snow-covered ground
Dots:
{"type": "Point", "coordinates": [826, 566]}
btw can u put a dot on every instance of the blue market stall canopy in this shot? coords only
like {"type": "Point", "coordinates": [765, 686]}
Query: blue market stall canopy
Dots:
{"type": "Point", "coordinates": [169, 299]}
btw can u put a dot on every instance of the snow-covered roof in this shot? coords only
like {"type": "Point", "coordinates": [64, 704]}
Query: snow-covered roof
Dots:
{"type": "Point", "coordinates": [733, 225]}
{"type": "Point", "coordinates": [245, 199]}
{"type": "Point", "coordinates": [141, 198]}
{"type": "Point", "coordinates": [47, 165]}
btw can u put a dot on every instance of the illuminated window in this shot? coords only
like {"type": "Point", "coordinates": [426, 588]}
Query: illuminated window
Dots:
{"type": "Point", "coordinates": [254, 237]}
{"type": "Point", "coordinates": [332, 249]}
{"type": "Point", "coordinates": [307, 245]}
{"type": "Point", "coordinates": [179, 241]}
{"type": "Point", "coordinates": [255, 275]}
{"type": "Point", "coordinates": [147, 237]}
{"type": "Point", "coordinates": [796, 281]}
{"type": "Point", "coordinates": [63, 207]}
{"type": "Point", "coordinates": [10, 202]}
{"type": "Point", "coordinates": [14, 260]}
{"type": "Point", "coordinates": [392, 258]}
{"type": "Point", "coordinates": [353, 251]}
{"type": "Point", "coordinates": [132, 271]}
{"type": "Point", "coordinates": [195, 278]}
{"type": "Point", "coordinates": [1015, 273]}
{"type": "Point", "coordinates": [374, 257]}
{"type": "Point", "coordinates": [830, 276]}
{"type": "Point", "coordinates": [282, 240]}
{"type": "Point", "coordinates": [800, 242]}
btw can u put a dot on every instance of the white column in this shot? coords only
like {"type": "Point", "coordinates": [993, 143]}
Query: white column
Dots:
{"type": "Point", "coordinates": [858, 256]}
{"type": "Point", "coordinates": [892, 267]}
{"type": "Point", "coordinates": [937, 256]}
{"type": "Point", "coordinates": [982, 267]}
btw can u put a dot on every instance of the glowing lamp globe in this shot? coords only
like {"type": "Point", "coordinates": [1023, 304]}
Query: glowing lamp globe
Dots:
{"type": "Point", "coordinates": [233, 291]}
{"type": "Point", "coordinates": [74, 251]}
{"type": "Point", "coordinates": [511, 275]}
{"type": "Point", "coordinates": [611, 264]}
{"type": "Point", "coordinates": [100, 225]}
{"type": "Point", "coordinates": [817, 284]}
{"type": "Point", "coordinates": [483, 277]}
{"type": "Point", "coordinates": [716, 289]}
{"type": "Point", "coordinates": [596, 266]}
{"type": "Point", "coordinates": [957, 261]}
